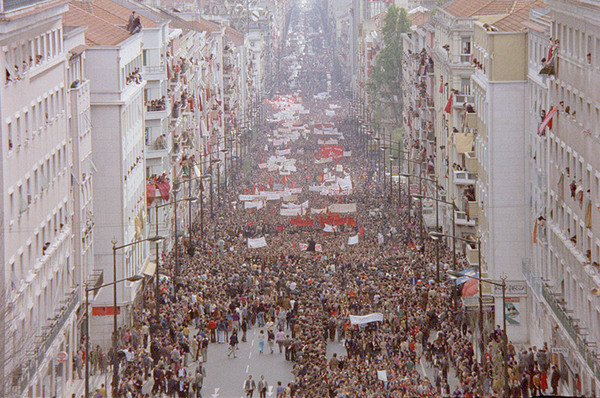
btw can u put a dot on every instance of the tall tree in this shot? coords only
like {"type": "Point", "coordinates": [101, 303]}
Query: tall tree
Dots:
{"type": "Point", "coordinates": [385, 82]}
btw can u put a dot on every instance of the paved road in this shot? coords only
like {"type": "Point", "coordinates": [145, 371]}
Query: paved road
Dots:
{"type": "Point", "coordinates": [228, 374]}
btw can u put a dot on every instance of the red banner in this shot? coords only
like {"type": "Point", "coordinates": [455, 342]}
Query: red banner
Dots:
{"type": "Point", "coordinates": [101, 311]}
{"type": "Point", "coordinates": [332, 151]}
{"type": "Point", "coordinates": [302, 222]}
{"type": "Point", "coordinates": [335, 219]}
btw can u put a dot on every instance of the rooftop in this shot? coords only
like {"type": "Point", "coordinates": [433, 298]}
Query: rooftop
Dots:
{"type": "Point", "coordinates": [517, 21]}
{"type": "Point", "coordinates": [110, 11]}
{"type": "Point", "coordinates": [99, 31]}
{"type": "Point", "coordinates": [418, 18]}
{"type": "Point", "coordinates": [473, 8]}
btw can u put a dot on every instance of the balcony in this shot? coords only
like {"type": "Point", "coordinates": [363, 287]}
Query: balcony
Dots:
{"type": "Point", "coordinates": [472, 254]}
{"type": "Point", "coordinates": [158, 150]}
{"type": "Point", "coordinates": [471, 162]}
{"type": "Point", "coordinates": [38, 354]}
{"type": "Point", "coordinates": [462, 177]}
{"type": "Point", "coordinates": [458, 100]}
{"type": "Point", "coordinates": [463, 220]}
{"type": "Point", "coordinates": [572, 328]}
{"type": "Point", "coordinates": [158, 112]}
{"type": "Point", "coordinates": [155, 72]}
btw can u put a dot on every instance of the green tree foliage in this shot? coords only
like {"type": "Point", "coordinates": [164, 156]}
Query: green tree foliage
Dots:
{"type": "Point", "coordinates": [385, 81]}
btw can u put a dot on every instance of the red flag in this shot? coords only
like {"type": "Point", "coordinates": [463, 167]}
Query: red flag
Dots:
{"type": "Point", "coordinates": [411, 245]}
{"type": "Point", "coordinates": [448, 107]}
{"type": "Point", "coordinates": [251, 222]}
{"type": "Point", "coordinates": [547, 122]}
{"type": "Point", "coordinates": [361, 231]}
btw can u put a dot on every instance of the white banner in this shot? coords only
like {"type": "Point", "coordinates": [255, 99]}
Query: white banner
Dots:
{"type": "Point", "coordinates": [323, 161]}
{"type": "Point", "coordinates": [353, 240]}
{"type": "Point", "coordinates": [345, 183]}
{"type": "Point", "coordinates": [303, 205]}
{"type": "Point", "coordinates": [364, 319]}
{"type": "Point", "coordinates": [329, 228]}
{"type": "Point", "coordinates": [290, 198]}
{"type": "Point", "coordinates": [254, 205]}
{"type": "Point", "coordinates": [293, 190]}
{"type": "Point", "coordinates": [343, 208]}
{"type": "Point", "coordinates": [290, 212]}
{"type": "Point", "coordinates": [318, 211]}
{"type": "Point", "coordinates": [347, 154]}
{"type": "Point", "coordinates": [257, 243]}
{"type": "Point", "coordinates": [283, 152]}
{"type": "Point", "coordinates": [382, 375]}
{"type": "Point", "coordinates": [245, 198]}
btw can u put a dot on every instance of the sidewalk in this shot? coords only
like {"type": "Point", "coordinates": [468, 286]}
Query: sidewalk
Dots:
{"type": "Point", "coordinates": [77, 386]}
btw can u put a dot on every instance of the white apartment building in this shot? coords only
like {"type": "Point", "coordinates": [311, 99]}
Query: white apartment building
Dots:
{"type": "Point", "coordinates": [114, 65]}
{"type": "Point", "coordinates": [563, 271]}
{"type": "Point", "coordinates": [43, 261]}
{"type": "Point", "coordinates": [481, 77]}
{"type": "Point", "coordinates": [499, 86]}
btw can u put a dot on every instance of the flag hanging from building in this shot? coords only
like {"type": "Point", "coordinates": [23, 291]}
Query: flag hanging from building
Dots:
{"type": "Point", "coordinates": [547, 122]}
{"type": "Point", "coordinates": [448, 107]}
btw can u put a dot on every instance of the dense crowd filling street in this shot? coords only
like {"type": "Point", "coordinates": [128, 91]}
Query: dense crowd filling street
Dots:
{"type": "Point", "coordinates": [307, 247]}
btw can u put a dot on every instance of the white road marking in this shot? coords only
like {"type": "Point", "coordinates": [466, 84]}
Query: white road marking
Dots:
{"type": "Point", "coordinates": [247, 368]}
{"type": "Point", "coordinates": [252, 344]}
{"type": "Point", "coordinates": [250, 355]}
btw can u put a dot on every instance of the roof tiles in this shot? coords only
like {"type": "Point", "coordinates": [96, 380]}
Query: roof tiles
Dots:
{"type": "Point", "coordinates": [99, 32]}
{"type": "Point", "coordinates": [516, 22]}
{"type": "Point", "coordinates": [473, 8]}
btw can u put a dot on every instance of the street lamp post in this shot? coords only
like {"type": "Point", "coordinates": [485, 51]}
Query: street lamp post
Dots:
{"type": "Point", "coordinates": [453, 236]}
{"type": "Point", "coordinates": [502, 285]}
{"type": "Point", "coordinates": [114, 342]}
{"type": "Point", "coordinates": [212, 162]}
{"type": "Point", "coordinates": [204, 178]}
{"type": "Point", "coordinates": [87, 289]}
{"type": "Point", "coordinates": [157, 271]}
{"type": "Point", "coordinates": [436, 237]}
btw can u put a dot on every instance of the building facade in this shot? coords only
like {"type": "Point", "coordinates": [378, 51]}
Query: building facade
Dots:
{"type": "Point", "coordinates": [43, 260]}
{"type": "Point", "coordinates": [562, 270]}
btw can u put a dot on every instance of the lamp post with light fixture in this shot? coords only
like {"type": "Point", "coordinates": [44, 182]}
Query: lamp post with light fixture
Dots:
{"type": "Point", "coordinates": [115, 380]}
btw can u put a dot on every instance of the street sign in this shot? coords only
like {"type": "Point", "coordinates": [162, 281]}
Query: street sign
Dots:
{"type": "Point", "coordinates": [62, 356]}
{"type": "Point", "coordinates": [563, 351]}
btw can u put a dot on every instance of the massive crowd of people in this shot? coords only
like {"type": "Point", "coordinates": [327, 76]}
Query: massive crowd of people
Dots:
{"type": "Point", "coordinates": [302, 298]}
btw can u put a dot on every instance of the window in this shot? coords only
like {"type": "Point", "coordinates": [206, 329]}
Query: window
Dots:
{"type": "Point", "coordinates": [28, 193]}
{"type": "Point", "coordinates": [9, 129]}
{"type": "Point", "coordinates": [576, 52]}
{"type": "Point", "coordinates": [465, 86]}
{"type": "Point", "coordinates": [11, 200]}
